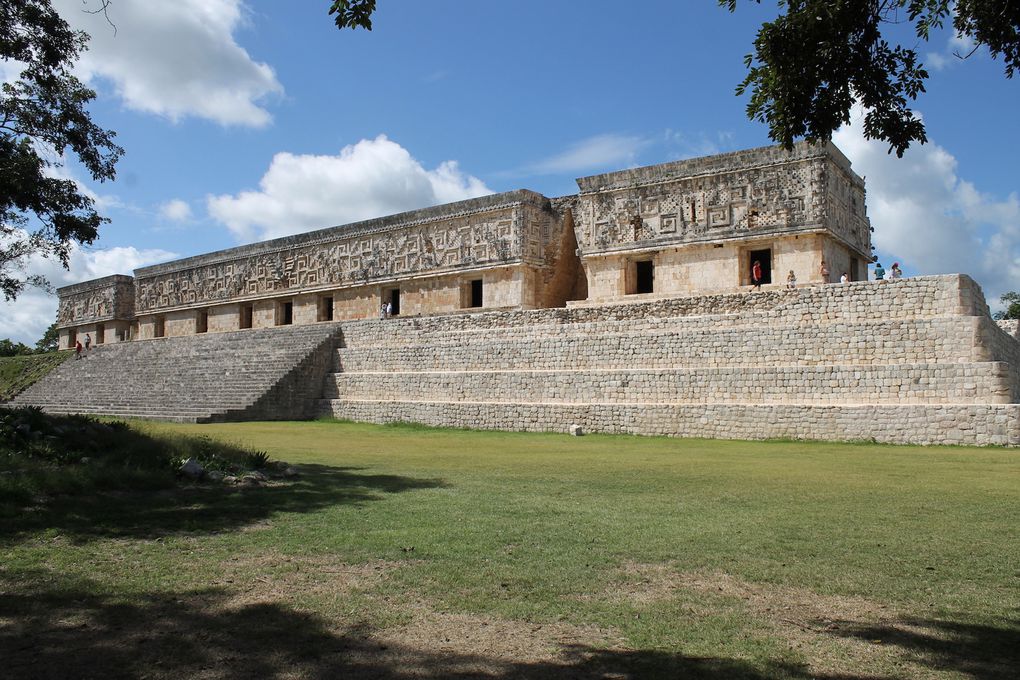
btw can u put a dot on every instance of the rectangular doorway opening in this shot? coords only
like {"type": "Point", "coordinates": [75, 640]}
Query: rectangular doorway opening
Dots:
{"type": "Point", "coordinates": [644, 277]}
{"type": "Point", "coordinates": [326, 308]}
{"type": "Point", "coordinates": [393, 298]}
{"type": "Point", "coordinates": [100, 334]}
{"type": "Point", "coordinates": [202, 321]}
{"type": "Point", "coordinates": [764, 259]}
{"type": "Point", "coordinates": [159, 327]}
{"type": "Point", "coordinates": [244, 320]}
{"type": "Point", "coordinates": [855, 269]}
{"type": "Point", "coordinates": [285, 314]}
{"type": "Point", "coordinates": [476, 293]}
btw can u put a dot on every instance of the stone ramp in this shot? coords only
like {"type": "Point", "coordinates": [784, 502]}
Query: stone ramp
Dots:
{"type": "Point", "coordinates": [911, 361]}
{"type": "Point", "coordinates": [270, 373]}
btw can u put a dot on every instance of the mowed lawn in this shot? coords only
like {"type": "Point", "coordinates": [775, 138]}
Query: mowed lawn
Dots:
{"type": "Point", "coordinates": [411, 552]}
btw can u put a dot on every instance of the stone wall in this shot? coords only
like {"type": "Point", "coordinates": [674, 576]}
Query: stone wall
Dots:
{"type": "Point", "coordinates": [909, 361]}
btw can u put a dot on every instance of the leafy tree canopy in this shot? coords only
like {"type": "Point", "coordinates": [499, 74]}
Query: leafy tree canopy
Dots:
{"type": "Point", "coordinates": [818, 57]}
{"type": "Point", "coordinates": [353, 13]}
{"type": "Point", "coordinates": [43, 118]}
{"type": "Point", "coordinates": [9, 348]}
{"type": "Point", "coordinates": [50, 340]}
{"type": "Point", "coordinates": [1012, 302]}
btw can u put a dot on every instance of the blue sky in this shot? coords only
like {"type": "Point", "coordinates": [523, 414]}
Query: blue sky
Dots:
{"type": "Point", "coordinates": [248, 120]}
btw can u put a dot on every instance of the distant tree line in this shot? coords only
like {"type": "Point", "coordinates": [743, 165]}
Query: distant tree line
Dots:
{"type": "Point", "coordinates": [47, 343]}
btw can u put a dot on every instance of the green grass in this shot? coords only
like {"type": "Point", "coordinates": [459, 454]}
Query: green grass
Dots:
{"type": "Point", "coordinates": [661, 557]}
{"type": "Point", "coordinates": [19, 373]}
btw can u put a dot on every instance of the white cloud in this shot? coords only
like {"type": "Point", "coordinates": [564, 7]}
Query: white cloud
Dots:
{"type": "Point", "coordinates": [931, 220]}
{"type": "Point", "coordinates": [175, 210]}
{"type": "Point", "coordinates": [175, 59]}
{"type": "Point", "coordinates": [595, 152]}
{"type": "Point", "coordinates": [25, 319]}
{"type": "Point", "coordinates": [958, 47]}
{"type": "Point", "coordinates": [693, 145]}
{"type": "Point", "coordinates": [369, 179]}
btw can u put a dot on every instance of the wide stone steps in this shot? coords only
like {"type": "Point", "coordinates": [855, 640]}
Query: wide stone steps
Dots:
{"type": "Point", "coordinates": [906, 383]}
{"type": "Point", "coordinates": [949, 340]}
{"type": "Point", "coordinates": [273, 372]}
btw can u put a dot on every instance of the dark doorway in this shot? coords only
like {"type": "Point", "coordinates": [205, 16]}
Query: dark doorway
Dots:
{"type": "Point", "coordinates": [395, 302]}
{"type": "Point", "coordinates": [159, 327]}
{"type": "Point", "coordinates": [202, 322]}
{"type": "Point", "coordinates": [286, 313]}
{"type": "Point", "coordinates": [246, 314]}
{"type": "Point", "coordinates": [100, 334]}
{"type": "Point", "coordinates": [476, 293]}
{"type": "Point", "coordinates": [644, 276]}
{"type": "Point", "coordinates": [326, 309]}
{"type": "Point", "coordinates": [855, 269]}
{"type": "Point", "coordinates": [764, 258]}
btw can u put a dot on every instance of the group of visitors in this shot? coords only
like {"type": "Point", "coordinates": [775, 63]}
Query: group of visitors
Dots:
{"type": "Point", "coordinates": [757, 274]}
{"type": "Point", "coordinates": [386, 310]}
{"type": "Point", "coordinates": [78, 348]}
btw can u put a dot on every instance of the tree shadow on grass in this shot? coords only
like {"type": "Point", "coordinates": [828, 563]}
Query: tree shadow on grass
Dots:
{"type": "Point", "coordinates": [60, 628]}
{"type": "Point", "coordinates": [204, 508]}
{"type": "Point", "coordinates": [980, 651]}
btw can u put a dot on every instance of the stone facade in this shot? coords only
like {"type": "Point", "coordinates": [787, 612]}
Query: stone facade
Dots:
{"type": "Point", "coordinates": [102, 308]}
{"type": "Point", "coordinates": [623, 308]}
{"type": "Point", "coordinates": [681, 228]}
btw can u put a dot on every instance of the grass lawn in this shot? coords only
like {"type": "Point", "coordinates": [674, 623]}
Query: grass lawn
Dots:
{"type": "Point", "coordinates": [411, 552]}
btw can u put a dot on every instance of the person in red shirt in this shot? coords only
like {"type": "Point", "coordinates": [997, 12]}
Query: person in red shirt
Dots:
{"type": "Point", "coordinates": [756, 275]}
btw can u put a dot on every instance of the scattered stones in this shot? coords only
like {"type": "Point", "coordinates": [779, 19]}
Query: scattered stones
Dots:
{"type": "Point", "coordinates": [230, 479]}
{"type": "Point", "coordinates": [191, 469]}
{"type": "Point", "coordinates": [215, 476]}
{"type": "Point", "coordinates": [290, 472]}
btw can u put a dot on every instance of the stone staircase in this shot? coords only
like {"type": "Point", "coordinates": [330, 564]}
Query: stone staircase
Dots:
{"type": "Point", "coordinates": [259, 374]}
{"type": "Point", "coordinates": [911, 361]}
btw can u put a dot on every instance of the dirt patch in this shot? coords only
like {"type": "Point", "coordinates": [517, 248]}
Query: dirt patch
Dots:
{"type": "Point", "coordinates": [834, 633]}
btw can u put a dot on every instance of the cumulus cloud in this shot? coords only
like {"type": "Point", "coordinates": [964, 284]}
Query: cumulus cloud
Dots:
{"type": "Point", "coordinates": [372, 178]}
{"type": "Point", "coordinates": [175, 59]}
{"type": "Point", "coordinates": [932, 220]}
{"type": "Point", "coordinates": [593, 153]}
{"type": "Point", "coordinates": [25, 319]}
{"type": "Point", "coordinates": [175, 210]}
{"type": "Point", "coordinates": [957, 48]}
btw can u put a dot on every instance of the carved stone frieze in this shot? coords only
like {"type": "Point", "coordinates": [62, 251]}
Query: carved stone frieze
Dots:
{"type": "Point", "coordinates": [515, 233]}
{"type": "Point", "coordinates": [742, 195]}
{"type": "Point", "coordinates": [96, 301]}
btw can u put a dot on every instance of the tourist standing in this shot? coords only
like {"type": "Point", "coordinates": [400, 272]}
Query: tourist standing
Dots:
{"type": "Point", "coordinates": [88, 342]}
{"type": "Point", "coordinates": [382, 311]}
{"type": "Point", "coordinates": [77, 349]}
{"type": "Point", "coordinates": [879, 272]}
{"type": "Point", "coordinates": [895, 272]}
{"type": "Point", "coordinates": [844, 278]}
{"type": "Point", "coordinates": [791, 280]}
{"type": "Point", "coordinates": [389, 309]}
{"type": "Point", "coordinates": [756, 274]}
{"type": "Point", "coordinates": [823, 271]}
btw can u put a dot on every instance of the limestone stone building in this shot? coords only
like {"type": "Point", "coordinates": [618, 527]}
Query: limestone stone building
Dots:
{"type": "Point", "coordinates": [683, 228]}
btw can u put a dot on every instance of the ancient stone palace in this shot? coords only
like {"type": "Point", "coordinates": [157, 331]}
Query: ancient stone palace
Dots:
{"type": "Point", "coordinates": [683, 228]}
{"type": "Point", "coordinates": [627, 307]}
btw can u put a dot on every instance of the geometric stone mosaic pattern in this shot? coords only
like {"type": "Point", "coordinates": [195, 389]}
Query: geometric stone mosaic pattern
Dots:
{"type": "Point", "coordinates": [744, 194]}
{"type": "Point", "coordinates": [511, 232]}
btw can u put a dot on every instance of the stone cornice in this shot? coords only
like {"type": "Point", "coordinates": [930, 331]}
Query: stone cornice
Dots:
{"type": "Point", "coordinates": [404, 220]}
{"type": "Point", "coordinates": [693, 168]}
